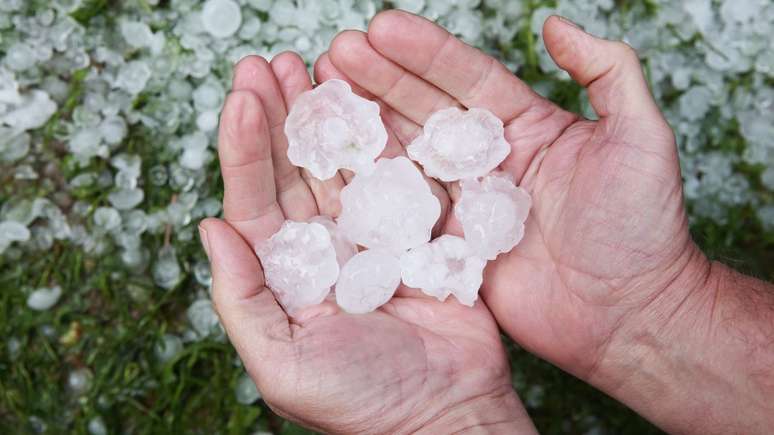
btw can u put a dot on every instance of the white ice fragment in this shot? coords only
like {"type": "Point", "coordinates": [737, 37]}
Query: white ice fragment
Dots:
{"type": "Point", "coordinates": [166, 269]}
{"type": "Point", "coordinates": [392, 208]}
{"type": "Point", "coordinates": [14, 145]}
{"type": "Point", "coordinates": [107, 218]}
{"type": "Point", "coordinates": [329, 128]}
{"type": "Point", "coordinates": [79, 380]}
{"type": "Point", "coordinates": [44, 298]}
{"type": "Point", "coordinates": [457, 144]}
{"type": "Point", "coordinates": [136, 33]}
{"type": "Point", "coordinates": [442, 267]}
{"type": "Point", "coordinates": [169, 346]}
{"type": "Point", "coordinates": [207, 121]}
{"type": "Point", "coordinates": [133, 77]}
{"type": "Point", "coordinates": [344, 248]}
{"type": "Point", "coordinates": [85, 143]}
{"type": "Point", "coordinates": [246, 391]}
{"type": "Point", "coordinates": [113, 129]}
{"type": "Point", "coordinates": [32, 111]}
{"type": "Point", "coordinates": [367, 281]}
{"type": "Point", "coordinates": [126, 199]}
{"type": "Point", "coordinates": [12, 231]}
{"type": "Point", "coordinates": [204, 321]}
{"type": "Point", "coordinates": [299, 262]}
{"type": "Point", "coordinates": [97, 426]}
{"type": "Point", "coordinates": [221, 18]}
{"type": "Point", "coordinates": [492, 212]}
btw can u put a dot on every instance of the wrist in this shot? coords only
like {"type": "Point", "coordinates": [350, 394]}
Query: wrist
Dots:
{"type": "Point", "coordinates": [500, 412]}
{"type": "Point", "coordinates": [693, 359]}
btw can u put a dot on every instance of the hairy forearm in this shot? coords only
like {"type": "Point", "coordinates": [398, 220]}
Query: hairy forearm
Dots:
{"type": "Point", "coordinates": [699, 358]}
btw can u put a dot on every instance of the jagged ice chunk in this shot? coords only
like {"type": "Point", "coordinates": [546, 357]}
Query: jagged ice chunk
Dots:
{"type": "Point", "coordinates": [392, 208]}
{"type": "Point", "coordinates": [299, 262]}
{"type": "Point", "coordinates": [330, 128]}
{"type": "Point", "coordinates": [492, 212]}
{"type": "Point", "coordinates": [442, 267]}
{"type": "Point", "coordinates": [367, 281]}
{"type": "Point", "coordinates": [457, 144]}
{"type": "Point", "coordinates": [344, 248]}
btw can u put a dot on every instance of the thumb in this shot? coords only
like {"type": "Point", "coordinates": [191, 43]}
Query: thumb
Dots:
{"type": "Point", "coordinates": [610, 70]}
{"type": "Point", "coordinates": [254, 321]}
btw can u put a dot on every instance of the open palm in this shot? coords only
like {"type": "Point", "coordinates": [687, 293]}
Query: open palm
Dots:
{"type": "Point", "coordinates": [413, 362]}
{"type": "Point", "coordinates": [607, 232]}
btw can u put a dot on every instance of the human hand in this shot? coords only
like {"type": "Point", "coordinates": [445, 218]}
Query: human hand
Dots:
{"type": "Point", "coordinates": [607, 231]}
{"type": "Point", "coordinates": [416, 364]}
{"type": "Point", "coordinates": [607, 282]}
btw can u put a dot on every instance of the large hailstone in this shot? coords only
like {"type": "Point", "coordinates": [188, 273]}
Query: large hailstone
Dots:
{"type": "Point", "coordinates": [442, 267]}
{"type": "Point", "coordinates": [299, 262]}
{"type": "Point", "coordinates": [330, 128]}
{"type": "Point", "coordinates": [344, 248]}
{"type": "Point", "coordinates": [367, 281]}
{"type": "Point", "coordinates": [492, 212]}
{"type": "Point", "coordinates": [457, 144]}
{"type": "Point", "coordinates": [391, 209]}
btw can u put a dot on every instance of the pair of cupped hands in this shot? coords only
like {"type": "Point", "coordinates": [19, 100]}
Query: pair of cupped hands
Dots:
{"type": "Point", "coordinates": [606, 236]}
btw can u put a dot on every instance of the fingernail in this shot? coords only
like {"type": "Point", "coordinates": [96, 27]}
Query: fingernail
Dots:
{"type": "Point", "coordinates": [205, 242]}
{"type": "Point", "coordinates": [568, 21]}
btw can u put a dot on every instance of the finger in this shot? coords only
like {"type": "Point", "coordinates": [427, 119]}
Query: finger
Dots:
{"type": "Point", "coordinates": [400, 130]}
{"type": "Point", "coordinates": [467, 74]}
{"type": "Point", "coordinates": [410, 95]}
{"type": "Point", "coordinates": [254, 73]}
{"type": "Point", "coordinates": [293, 80]}
{"type": "Point", "coordinates": [254, 321]}
{"type": "Point", "coordinates": [610, 70]}
{"type": "Point", "coordinates": [244, 150]}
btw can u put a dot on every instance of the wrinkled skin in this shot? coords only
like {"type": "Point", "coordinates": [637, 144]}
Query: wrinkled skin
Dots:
{"type": "Point", "coordinates": [606, 235]}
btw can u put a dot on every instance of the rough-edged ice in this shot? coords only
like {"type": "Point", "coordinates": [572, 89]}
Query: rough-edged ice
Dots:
{"type": "Point", "coordinates": [344, 248]}
{"type": "Point", "coordinates": [330, 128]}
{"type": "Point", "coordinates": [457, 144]}
{"type": "Point", "coordinates": [29, 111]}
{"type": "Point", "coordinates": [442, 267]}
{"type": "Point", "coordinates": [299, 262]}
{"type": "Point", "coordinates": [392, 208]}
{"type": "Point", "coordinates": [44, 298]}
{"type": "Point", "coordinates": [367, 281]}
{"type": "Point", "coordinates": [492, 212]}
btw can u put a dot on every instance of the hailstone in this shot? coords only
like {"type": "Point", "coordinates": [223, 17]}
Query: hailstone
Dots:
{"type": "Point", "coordinates": [344, 248]}
{"type": "Point", "coordinates": [330, 128]}
{"type": "Point", "coordinates": [442, 267]}
{"type": "Point", "coordinates": [299, 262]}
{"type": "Point", "coordinates": [492, 212]}
{"type": "Point", "coordinates": [392, 208]}
{"type": "Point", "coordinates": [457, 144]}
{"type": "Point", "coordinates": [367, 281]}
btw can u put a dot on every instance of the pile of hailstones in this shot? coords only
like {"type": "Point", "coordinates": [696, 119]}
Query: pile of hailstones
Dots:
{"type": "Point", "coordinates": [388, 211]}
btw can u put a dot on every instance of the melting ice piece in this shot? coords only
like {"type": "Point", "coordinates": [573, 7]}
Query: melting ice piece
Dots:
{"type": "Point", "coordinates": [442, 267]}
{"type": "Point", "coordinates": [344, 248]}
{"type": "Point", "coordinates": [367, 281]}
{"type": "Point", "coordinates": [457, 144]}
{"type": "Point", "coordinates": [392, 209]}
{"type": "Point", "coordinates": [492, 212]}
{"type": "Point", "coordinates": [221, 18]}
{"type": "Point", "coordinates": [299, 263]}
{"type": "Point", "coordinates": [330, 128]}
